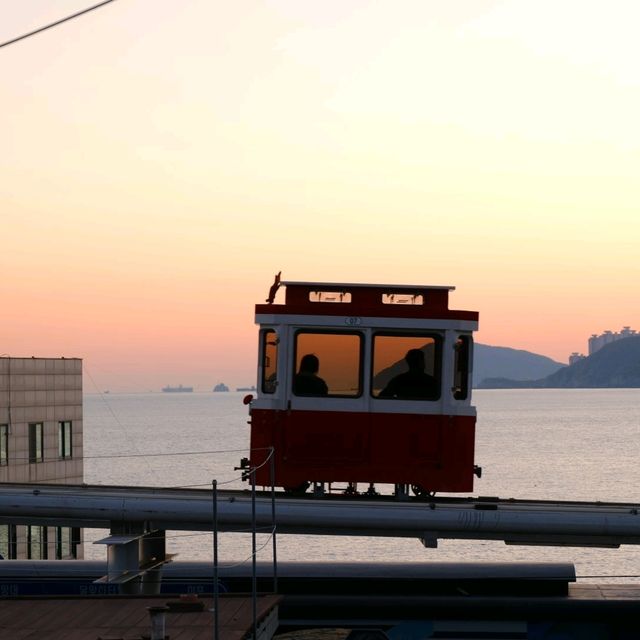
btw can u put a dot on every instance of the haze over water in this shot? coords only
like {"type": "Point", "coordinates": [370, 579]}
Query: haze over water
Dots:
{"type": "Point", "coordinates": [542, 444]}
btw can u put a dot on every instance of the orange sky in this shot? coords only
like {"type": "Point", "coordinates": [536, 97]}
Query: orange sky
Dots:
{"type": "Point", "coordinates": [161, 161]}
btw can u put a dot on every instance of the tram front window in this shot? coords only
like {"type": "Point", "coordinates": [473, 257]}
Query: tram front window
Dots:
{"type": "Point", "coordinates": [327, 364]}
{"type": "Point", "coordinates": [406, 367]}
{"type": "Point", "coordinates": [461, 368]}
{"type": "Point", "coordinates": [269, 361]}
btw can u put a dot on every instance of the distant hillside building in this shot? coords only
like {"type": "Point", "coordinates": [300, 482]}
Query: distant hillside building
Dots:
{"type": "Point", "coordinates": [596, 342]}
{"type": "Point", "coordinates": [40, 442]}
{"type": "Point", "coordinates": [576, 357]}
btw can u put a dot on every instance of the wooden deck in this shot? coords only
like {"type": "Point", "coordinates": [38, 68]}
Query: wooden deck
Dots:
{"type": "Point", "coordinates": [610, 606]}
{"type": "Point", "coordinates": [585, 591]}
{"type": "Point", "coordinates": [127, 617]}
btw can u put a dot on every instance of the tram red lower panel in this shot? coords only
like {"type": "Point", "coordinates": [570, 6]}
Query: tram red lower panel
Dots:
{"type": "Point", "coordinates": [435, 452]}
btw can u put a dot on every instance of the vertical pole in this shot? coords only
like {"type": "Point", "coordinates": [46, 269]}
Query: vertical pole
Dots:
{"type": "Point", "coordinates": [254, 580]}
{"type": "Point", "coordinates": [216, 590]}
{"type": "Point", "coordinates": [273, 519]}
{"type": "Point", "coordinates": [158, 622]}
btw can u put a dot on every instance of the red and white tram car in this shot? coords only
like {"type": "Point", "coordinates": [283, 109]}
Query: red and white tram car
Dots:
{"type": "Point", "coordinates": [364, 383]}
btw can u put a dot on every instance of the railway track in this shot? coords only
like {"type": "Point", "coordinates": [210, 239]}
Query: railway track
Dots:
{"type": "Point", "coordinates": [515, 521]}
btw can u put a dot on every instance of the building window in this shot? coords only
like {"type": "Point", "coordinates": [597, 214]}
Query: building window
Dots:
{"type": "Point", "coordinates": [269, 361]}
{"type": "Point", "coordinates": [8, 541]}
{"type": "Point", "coordinates": [406, 367]}
{"type": "Point", "coordinates": [76, 540]}
{"type": "Point", "coordinates": [64, 439]}
{"type": "Point", "coordinates": [36, 543]}
{"type": "Point", "coordinates": [4, 541]}
{"type": "Point", "coordinates": [36, 442]}
{"type": "Point", "coordinates": [64, 547]}
{"type": "Point", "coordinates": [4, 444]}
{"type": "Point", "coordinates": [328, 364]}
{"type": "Point", "coordinates": [68, 539]}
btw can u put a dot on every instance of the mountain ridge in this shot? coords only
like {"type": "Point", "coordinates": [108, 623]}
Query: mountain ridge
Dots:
{"type": "Point", "coordinates": [508, 363]}
{"type": "Point", "coordinates": [616, 365]}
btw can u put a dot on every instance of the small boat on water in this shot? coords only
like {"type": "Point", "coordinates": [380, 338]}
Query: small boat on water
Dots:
{"type": "Point", "coordinates": [178, 389]}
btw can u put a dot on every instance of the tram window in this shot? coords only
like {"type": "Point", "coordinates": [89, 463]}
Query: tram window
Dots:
{"type": "Point", "coordinates": [406, 367]}
{"type": "Point", "coordinates": [337, 357]}
{"type": "Point", "coordinates": [406, 298]}
{"type": "Point", "coordinates": [269, 361]}
{"type": "Point", "coordinates": [330, 296]}
{"type": "Point", "coordinates": [461, 368]}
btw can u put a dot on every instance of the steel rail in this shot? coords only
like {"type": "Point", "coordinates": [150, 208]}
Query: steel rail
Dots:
{"type": "Point", "coordinates": [513, 521]}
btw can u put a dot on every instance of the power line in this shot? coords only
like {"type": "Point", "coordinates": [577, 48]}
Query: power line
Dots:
{"type": "Point", "coordinates": [54, 24]}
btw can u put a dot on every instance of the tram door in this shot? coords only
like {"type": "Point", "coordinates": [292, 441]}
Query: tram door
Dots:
{"type": "Point", "coordinates": [326, 428]}
{"type": "Point", "coordinates": [407, 424]}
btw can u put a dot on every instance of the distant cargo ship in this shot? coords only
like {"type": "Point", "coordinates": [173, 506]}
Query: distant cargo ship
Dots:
{"type": "Point", "coordinates": [245, 388]}
{"type": "Point", "coordinates": [178, 389]}
{"type": "Point", "coordinates": [221, 387]}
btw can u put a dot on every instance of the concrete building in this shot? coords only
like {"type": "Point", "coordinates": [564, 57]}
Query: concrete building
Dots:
{"type": "Point", "coordinates": [40, 441]}
{"type": "Point", "coordinates": [596, 342]}
{"type": "Point", "coordinates": [576, 357]}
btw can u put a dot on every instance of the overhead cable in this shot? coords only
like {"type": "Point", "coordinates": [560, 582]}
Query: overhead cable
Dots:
{"type": "Point", "coordinates": [54, 24]}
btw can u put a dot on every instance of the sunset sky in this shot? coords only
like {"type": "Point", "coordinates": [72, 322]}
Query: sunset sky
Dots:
{"type": "Point", "coordinates": [160, 161]}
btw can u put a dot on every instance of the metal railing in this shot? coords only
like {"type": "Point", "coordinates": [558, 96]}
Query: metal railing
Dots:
{"type": "Point", "coordinates": [250, 474]}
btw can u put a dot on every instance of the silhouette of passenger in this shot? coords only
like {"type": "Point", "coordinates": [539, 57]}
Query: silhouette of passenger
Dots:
{"type": "Point", "coordinates": [307, 382]}
{"type": "Point", "coordinates": [412, 384]}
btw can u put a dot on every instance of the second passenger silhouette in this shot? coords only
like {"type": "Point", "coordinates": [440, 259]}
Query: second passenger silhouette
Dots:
{"type": "Point", "coordinates": [412, 384]}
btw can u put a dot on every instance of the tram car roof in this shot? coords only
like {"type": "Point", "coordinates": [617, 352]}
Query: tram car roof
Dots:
{"type": "Point", "coordinates": [363, 299]}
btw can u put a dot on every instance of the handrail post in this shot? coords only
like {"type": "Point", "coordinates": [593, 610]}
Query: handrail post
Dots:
{"type": "Point", "coordinates": [216, 590]}
{"type": "Point", "coordinates": [273, 518]}
{"type": "Point", "coordinates": [254, 579]}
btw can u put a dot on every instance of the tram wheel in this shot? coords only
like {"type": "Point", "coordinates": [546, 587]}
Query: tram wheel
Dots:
{"type": "Point", "coordinates": [352, 489]}
{"type": "Point", "coordinates": [421, 492]}
{"type": "Point", "coordinates": [297, 490]}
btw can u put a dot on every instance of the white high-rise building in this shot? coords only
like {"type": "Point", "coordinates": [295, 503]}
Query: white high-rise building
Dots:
{"type": "Point", "coordinates": [596, 342]}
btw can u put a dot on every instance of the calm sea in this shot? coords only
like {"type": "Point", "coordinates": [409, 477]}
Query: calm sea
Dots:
{"type": "Point", "coordinates": [546, 444]}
